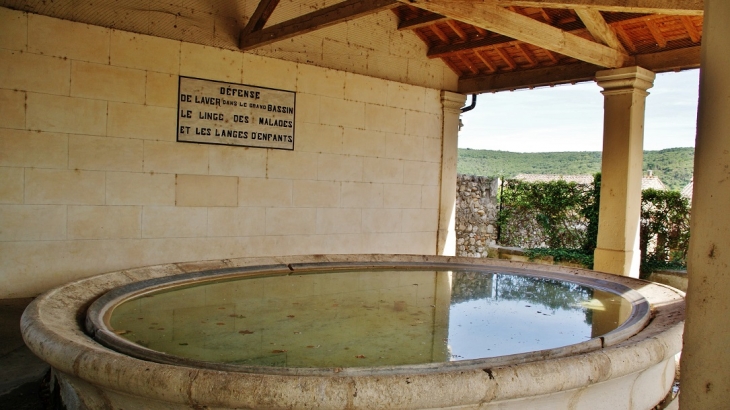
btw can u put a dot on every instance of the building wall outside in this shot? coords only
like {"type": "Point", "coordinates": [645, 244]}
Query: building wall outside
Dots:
{"type": "Point", "coordinates": [92, 178]}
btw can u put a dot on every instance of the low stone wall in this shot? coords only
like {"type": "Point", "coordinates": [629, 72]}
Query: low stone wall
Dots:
{"type": "Point", "coordinates": [476, 214]}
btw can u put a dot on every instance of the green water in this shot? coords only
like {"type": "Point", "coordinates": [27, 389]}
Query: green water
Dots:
{"type": "Point", "coordinates": [367, 318]}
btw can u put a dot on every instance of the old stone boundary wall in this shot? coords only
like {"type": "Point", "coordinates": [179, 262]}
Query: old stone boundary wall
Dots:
{"type": "Point", "coordinates": [476, 214]}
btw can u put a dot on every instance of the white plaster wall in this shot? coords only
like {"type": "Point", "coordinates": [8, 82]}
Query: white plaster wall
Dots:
{"type": "Point", "coordinates": [92, 179]}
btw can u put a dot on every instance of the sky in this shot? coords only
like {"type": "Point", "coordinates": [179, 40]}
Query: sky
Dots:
{"type": "Point", "coordinates": [570, 117]}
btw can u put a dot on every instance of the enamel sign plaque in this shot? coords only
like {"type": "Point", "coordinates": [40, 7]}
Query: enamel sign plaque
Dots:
{"type": "Point", "coordinates": [214, 112]}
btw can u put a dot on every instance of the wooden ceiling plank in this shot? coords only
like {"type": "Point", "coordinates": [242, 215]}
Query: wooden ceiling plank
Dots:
{"type": "Point", "coordinates": [440, 33]}
{"type": "Point", "coordinates": [506, 57]}
{"type": "Point", "coordinates": [658, 62]}
{"type": "Point", "coordinates": [459, 32]}
{"type": "Point", "coordinates": [487, 62]}
{"type": "Point", "coordinates": [527, 53]}
{"type": "Point", "coordinates": [599, 29]}
{"type": "Point", "coordinates": [260, 16]}
{"type": "Point", "coordinates": [656, 33]}
{"type": "Point", "coordinates": [421, 22]}
{"type": "Point", "coordinates": [519, 27]}
{"type": "Point", "coordinates": [325, 17]}
{"type": "Point", "coordinates": [694, 34]}
{"type": "Point", "coordinates": [625, 37]}
{"type": "Point", "coordinates": [667, 7]}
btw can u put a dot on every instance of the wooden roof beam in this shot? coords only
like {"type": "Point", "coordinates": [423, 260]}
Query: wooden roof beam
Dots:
{"type": "Point", "coordinates": [325, 17]}
{"type": "Point", "coordinates": [668, 7]}
{"type": "Point", "coordinates": [506, 57]}
{"type": "Point", "coordinates": [663, 61]}
{"type": "Point", "coordinates": [260, 16]}
{"type": "Point", "coordinates": [519, 27]}
{"type": "Point", "coordinates": [420, 22]}
{"type": "Point", "coordinates": [599, 29]}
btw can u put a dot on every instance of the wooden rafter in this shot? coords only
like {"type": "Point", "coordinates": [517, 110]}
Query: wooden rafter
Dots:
{"type": "Point", "coordinates": [694, 34]}
{"type": "Point", "coordinates": [487, 62]}
{"type": "Point", "coordinates": [599, 29]}
{"type": "Point", "coordinates": [481, 31]}
{"type": "Point", "coordinates": [551, 56]}
{"type": "Point", "coordinates": [527, 53]}
{"type": "Point", "coordinates": [519, 27]}
{"type": "Point", "coordinates": [260, 16]}
{"type": "Point", "coordinates": [440, 33]}
{"type": "Point", "coordinates": [546, 16]}
{"type": "Point", "coordinates": [459, 32]}
{"type": "Point", "coordinates": [654, 30]}
{"type": "Point", "coordinates": [625, 37]}
{"type": "Point", "coordinates": [667, 7]}
{"type": "Point", "coordinates": [506, 57]}
{"type": "Point", "coordinates": [325, 17]}
{"type": "Point", "coordinates": [468, 64]}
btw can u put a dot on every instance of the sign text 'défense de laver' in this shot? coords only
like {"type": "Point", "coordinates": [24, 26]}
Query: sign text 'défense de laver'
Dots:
{"type": "Point", "coordinates": [215, 112]}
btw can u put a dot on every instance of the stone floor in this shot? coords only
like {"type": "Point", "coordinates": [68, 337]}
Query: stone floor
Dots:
{"type": "Point", "coordinates": [21, 372]}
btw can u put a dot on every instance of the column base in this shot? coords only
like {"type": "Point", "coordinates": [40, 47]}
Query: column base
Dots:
{"type": "Point", "coordinates": [624, 263]}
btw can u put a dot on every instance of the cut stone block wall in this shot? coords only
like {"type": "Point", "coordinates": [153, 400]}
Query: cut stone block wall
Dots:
{"type": "Point", "coordinates": [92, 179]}
{"type": "Point", "coordinates": [476, 214]}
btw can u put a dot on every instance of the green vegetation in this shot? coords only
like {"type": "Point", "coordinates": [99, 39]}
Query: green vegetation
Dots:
{"type": "Point", "coordinates": [560, 219]}
{"type": "Point", "coordinates": [673, 166]}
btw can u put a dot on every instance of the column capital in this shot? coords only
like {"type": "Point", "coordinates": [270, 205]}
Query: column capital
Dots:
{"type": "Point", "coordinates": [452, 101]}
{"type": "Point", "coordinates": [625, 80]}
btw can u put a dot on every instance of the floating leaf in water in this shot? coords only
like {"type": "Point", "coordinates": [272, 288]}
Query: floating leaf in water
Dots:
{"type": "Point", "coordinates": [297, 333]}
{"type": "Point", "coordinates": [220, 323]}
{"type": "Point", "coordinates": [360, 356]}
{"type": "Point", "coordinates": [121, 332]}
{"type": "Point", "coordinates": [221, 308]}
{"type": "Point", "coordinates": [183, 344]}
{"type": "Point", "coordinates": [290, 316]}
{"type": "Point", "coordinates": [278, 351]}
{"type": "Point", "coordinates": [245, 332]}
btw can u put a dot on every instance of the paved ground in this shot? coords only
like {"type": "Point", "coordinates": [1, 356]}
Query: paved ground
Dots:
{"type": "Point", "coordinates": [21, 372]}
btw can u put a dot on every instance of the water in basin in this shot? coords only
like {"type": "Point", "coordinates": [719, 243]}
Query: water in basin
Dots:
{"type": "Point", "coordinates": [367, 318]}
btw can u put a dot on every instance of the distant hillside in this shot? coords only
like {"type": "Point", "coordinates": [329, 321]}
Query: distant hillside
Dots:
{"type": "Point", "coordinates": [673, 166]}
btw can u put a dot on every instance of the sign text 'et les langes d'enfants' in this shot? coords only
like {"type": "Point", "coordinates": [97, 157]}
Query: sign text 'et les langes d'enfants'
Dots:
{"type": "Point", "coordinates": [215, 112]}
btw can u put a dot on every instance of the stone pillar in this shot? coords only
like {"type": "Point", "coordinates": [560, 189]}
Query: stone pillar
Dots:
{"type": "Point", "coordinates": [624, 90]}
{"type": "Point", "coordinates": [446, 239]}
{"type": "Point", "coordinates": [705, 365]}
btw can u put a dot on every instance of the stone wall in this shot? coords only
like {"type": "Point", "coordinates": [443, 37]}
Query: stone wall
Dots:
{"type": "Point", "coordinates": [93, 180]}
{"type": "Point", "coordinates": [476, 214]}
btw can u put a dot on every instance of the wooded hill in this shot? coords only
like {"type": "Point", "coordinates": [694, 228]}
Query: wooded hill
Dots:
{"type": "Point", "coordinates": [673, 166]}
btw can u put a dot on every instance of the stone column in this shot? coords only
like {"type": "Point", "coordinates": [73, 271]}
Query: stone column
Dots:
{"type": "Point", "coordinates": [446, 239]}
{"type": "Point", "coordinates": [624, 91]}
{"type": "Point", "coordinates": [705, 365]}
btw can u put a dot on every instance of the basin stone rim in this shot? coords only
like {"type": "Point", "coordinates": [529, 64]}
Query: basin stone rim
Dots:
{"type": "Point", "coordinates": [52, 330]}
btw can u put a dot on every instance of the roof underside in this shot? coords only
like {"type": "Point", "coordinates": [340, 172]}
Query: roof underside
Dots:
{"type": "Point", "coordinates": [491, 45]}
